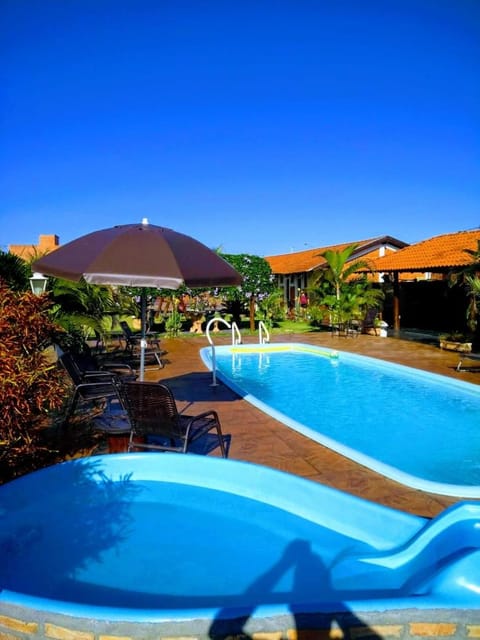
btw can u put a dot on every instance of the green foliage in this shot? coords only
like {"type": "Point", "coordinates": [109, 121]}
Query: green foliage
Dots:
{"type": "Point", "coordinates": [344, 296]}
{"type": "Point", "coordinates": [82, 308]}
{"type": "Point", "coordinates": [258, 280]}
{"type": "Point", "coordinates": [468, 278]}
{"type": "Point", "coordinates": [258, 283]}
{"type": "Point", "coordinates": [173, 323]}
{"type": "Point", "coordinates": [339, 272]}
{"type": "Point", "coordinates": [31, 385]}
{"type": "Point", "coordinates": [271, 309]}
{"type": "Point", "coordinates": [14, 272]}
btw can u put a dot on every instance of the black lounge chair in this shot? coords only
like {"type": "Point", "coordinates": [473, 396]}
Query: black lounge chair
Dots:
{"type": "Point", "coordinates": [99, 385]}
{"type": "Point", "coordinates": [469, 356]}
{"type": "Point", "coordinates": [86, 365]}
{"type": "Point", "coordinates": [157, 425]}
{"type": "Point", "coordinates": [132, 343]}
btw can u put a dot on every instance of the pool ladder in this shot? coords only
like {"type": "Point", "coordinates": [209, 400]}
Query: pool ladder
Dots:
{"type": "Point", "coordinates": [263, 338]}
{"type": "Point", "coordinates": [263, 334]}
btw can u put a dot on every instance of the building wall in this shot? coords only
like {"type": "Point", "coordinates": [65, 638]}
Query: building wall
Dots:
{"type": "Point", "coordinates": [46, 243]}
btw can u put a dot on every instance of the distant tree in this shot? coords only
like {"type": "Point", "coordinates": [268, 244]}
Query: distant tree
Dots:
{"type": "Point", "coordinates": [258, 283]}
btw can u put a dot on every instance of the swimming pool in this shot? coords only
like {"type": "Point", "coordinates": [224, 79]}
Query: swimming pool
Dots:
{"type": "Point", "coordinates": [155, 545]}
{"type": "Point", "coordinates": [417, 428]}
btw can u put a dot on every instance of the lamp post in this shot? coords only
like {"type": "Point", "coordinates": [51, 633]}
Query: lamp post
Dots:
{"type": "Point", "coordinates": [38, 283]}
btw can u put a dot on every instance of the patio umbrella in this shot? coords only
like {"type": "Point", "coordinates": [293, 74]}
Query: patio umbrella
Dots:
{"type": "Point", "coordinates": [139, 255]}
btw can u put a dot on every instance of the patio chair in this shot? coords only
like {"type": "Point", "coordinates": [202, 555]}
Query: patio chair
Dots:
{"type": "Point", "coordinates": [155, 419]}
{"type": "Point", "coordinates": [99, 386]}
{"type": "Point", "coordinates": [132, 343]}
{"type": "Point", "coordinates": [85, 364]}
{"type": "Point", "coordinates": [461, 366]}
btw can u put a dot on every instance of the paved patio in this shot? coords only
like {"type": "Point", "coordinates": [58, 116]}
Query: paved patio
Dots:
{"type": "Point", "coordinates": [260, 439]}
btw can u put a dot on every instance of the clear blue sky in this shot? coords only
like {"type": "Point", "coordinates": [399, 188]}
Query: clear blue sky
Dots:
{"type": "Point", "coordinates": [255, 126]}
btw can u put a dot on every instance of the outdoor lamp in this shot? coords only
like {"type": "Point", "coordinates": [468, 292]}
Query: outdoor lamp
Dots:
{"type": "Point", "coordinates": [38, 282]}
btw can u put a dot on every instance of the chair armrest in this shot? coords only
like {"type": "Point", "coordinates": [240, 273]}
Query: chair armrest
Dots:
{"type": "Point", "coordinates": [120, 368]}
{"type": "Point", "coordinates": [206, 415]}
{"type": "Point", "coordinates": [104, 384]}
{"type": "Point", "coordinates": [94, 377]}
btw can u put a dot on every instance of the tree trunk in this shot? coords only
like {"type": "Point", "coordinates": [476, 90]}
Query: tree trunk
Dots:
{"type": "Point", "coordinates": [252, 313]}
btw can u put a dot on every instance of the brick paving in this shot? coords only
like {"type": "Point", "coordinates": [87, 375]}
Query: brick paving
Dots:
{"type": "Point", "coordinates": [258, 438]}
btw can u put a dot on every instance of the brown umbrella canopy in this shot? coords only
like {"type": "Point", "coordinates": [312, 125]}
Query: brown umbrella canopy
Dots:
{"type": "Point", "coordinates": [139, 255]}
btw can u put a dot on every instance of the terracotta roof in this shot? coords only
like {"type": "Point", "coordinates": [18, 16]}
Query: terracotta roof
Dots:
{"type": "Point", "coordinates": [309, 260]}
{"type": "Point", "coordinates": [435, 254]}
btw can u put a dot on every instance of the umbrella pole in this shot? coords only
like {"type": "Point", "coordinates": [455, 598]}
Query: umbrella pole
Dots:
{"type": "Point", "coordinates": [143, 323]}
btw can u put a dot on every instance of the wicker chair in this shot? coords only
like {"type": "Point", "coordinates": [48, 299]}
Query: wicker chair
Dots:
{"type": "Point", "coordinates": [157, 425]}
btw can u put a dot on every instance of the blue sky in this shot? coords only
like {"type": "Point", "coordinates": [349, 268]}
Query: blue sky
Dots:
{"type": "Point", "coordinates": [255, 126]}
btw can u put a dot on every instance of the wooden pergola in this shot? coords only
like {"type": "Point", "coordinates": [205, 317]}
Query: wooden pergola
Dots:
{"type": "Point", "coordinates": [427, 260]}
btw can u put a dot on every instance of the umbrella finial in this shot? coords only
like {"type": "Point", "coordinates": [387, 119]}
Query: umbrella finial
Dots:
{"type": "Point", "coordinates": [145, 221]}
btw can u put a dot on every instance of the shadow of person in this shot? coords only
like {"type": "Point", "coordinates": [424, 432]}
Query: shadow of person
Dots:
{"type": "Point", "coordinates": [312, 602]}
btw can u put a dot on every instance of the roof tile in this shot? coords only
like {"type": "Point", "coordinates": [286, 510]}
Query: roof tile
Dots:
{"type": "Point", "coordinates": [311, 259]}
{"type": "Point", "coordinates": [437, 253]}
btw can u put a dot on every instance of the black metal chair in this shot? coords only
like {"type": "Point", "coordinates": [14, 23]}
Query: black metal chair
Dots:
{"type": "Point", "coordinates": [92, 386]}
{"type": "Point", "coordinates": [132, 343]}
{"type": "Point", "coordinates": [157, 425]}
{"type": "Point", "coordinates": [86, 365]}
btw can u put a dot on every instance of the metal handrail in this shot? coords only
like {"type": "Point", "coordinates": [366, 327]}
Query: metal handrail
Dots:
{"type": "Point", "coordinates": [214, 358]}
{"type": "Point", "coordinates": [261, 330]}
{"type": "Point", "coordinates": [236, 335]}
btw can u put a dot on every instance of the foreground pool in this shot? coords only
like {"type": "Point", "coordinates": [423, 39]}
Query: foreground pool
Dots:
{"type": "Point", "coordinates": [156, 545]}
{"type": "Point", "coordinates": [414, 427]}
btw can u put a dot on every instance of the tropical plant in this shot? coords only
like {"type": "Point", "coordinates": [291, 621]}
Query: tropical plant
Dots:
{"type": "Point", "coordinates": [345, 294]}
{"type": "Point", "coordinates": [82, 309]}
{"type": "Point", "coordinates": [31, 386]}
{"type": "Point", "coordinates": [468, 278]}
{"type": "Point", "coordinates": [173, 323]}
{"type": "Point", "coordinates": [14, 272]}
{"type": "Point", "coordinates": [338, 271]}
{"type": "Point", "coordinates": [271, 309]}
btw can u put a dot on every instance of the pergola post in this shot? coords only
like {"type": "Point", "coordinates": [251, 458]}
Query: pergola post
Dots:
{"type": "Point", "coordinates": [396, 301]}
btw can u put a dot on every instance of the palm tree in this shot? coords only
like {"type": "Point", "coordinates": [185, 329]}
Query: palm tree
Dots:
{"type": "Point", "coordinates": [346, 296]}
{"type": "Point", "coordinates": [468, 277]}
{"type": "Point", "coordinates": [14, 272]}
{"type": "Point", "coordinates": [81, 309]}
{"type": "Point", "coordinates": [338, 273]}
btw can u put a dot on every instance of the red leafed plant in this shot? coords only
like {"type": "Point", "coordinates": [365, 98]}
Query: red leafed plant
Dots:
{"type": "Point", "coordinates": [31, 385]}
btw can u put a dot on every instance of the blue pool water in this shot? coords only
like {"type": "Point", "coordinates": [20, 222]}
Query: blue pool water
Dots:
{"type": "Point", "coordinates": [149, 537]}
{"type": "Point", "coordinates": [415, 427]}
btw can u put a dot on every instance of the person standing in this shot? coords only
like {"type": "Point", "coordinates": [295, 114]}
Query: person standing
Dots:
{"type": "Point", "coordinates": [303, 302]}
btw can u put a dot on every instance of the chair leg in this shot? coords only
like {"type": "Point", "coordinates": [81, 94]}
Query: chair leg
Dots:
{"type": "Point", "coordinates": [221, 442]}
{"type": "Point", "coordinates": [72, 405]}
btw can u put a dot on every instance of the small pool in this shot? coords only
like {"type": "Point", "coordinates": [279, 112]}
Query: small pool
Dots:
{"type": "Point", "coordinates": [156, 544]}
{"type": "Point", "coordinates": [417, 428]}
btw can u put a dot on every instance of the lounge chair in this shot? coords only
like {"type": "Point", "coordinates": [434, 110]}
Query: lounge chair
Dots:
{"type": "Point", "coordinates": [155, 419]}
{"type": "Point", "coordinates": [468, 356]}
{"type": "Point", "coordinates": [132, 343]}
{"type": "Point", "coordinates": [100, 386]}
{"type": "Point", "coordinates": [85, 365]}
